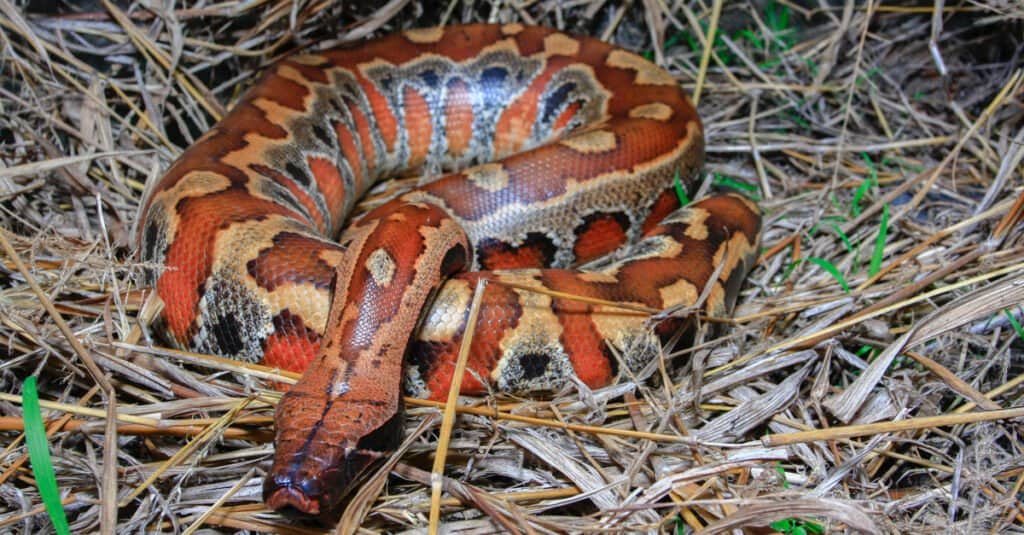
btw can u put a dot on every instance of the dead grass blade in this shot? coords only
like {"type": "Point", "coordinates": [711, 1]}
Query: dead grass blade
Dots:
{"type": "Point", "coordinates": [980, 303]}
{"type": "Point", "coordinates": [762, 514]}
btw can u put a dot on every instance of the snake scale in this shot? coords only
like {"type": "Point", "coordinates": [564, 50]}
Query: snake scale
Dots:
{"type": "Point", "coordinates": [549, 152]}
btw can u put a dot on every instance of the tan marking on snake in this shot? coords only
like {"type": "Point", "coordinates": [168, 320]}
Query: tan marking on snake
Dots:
{"type": "Point", "coordinates": [589, 142]}
{"type": "Point", "coordinates": [491, 176]}
{"type": "Point", "coordinates": [646, 72]}
{"type": "Point", "coordinates": [425, 35]}
{"type": "Point", "coordinates": [381, 267]}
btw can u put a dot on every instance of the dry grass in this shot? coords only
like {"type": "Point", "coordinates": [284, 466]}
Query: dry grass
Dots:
{"type": "Point", "coordinates": [889, 406]}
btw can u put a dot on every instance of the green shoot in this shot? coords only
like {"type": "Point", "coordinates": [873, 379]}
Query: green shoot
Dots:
{"type": "Point", "coordinates": [831, 269]}
{"type": "Point", "coordinates": [39, 454]}
{"type": "Point", "coordinates": [1015, 323]}
{"type": "Point", "coordinates": [879, 252]}
{"type": "Point", "coordinates": [684, 199]}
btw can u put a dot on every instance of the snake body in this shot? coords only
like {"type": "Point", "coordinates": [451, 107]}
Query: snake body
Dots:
{"type": "Point", "coordinates": [558, 150]}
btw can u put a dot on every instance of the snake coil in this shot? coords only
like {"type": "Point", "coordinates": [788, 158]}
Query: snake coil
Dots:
{"type": "Point", "coordinates": [559, 150]}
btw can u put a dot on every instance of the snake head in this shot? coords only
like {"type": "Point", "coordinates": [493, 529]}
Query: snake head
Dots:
{"type": "Point", "coordinates": [318, 467]}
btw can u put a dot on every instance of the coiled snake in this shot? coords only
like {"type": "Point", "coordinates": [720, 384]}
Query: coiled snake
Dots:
{"type": "Point", "coordinates": [563, 148]}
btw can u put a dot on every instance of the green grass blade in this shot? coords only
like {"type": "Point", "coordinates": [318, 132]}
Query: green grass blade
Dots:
{"type": "Point", "coordinates": [684, 199]}
{"type": "Point", "coordinates": [862, 190]}
{"type": "Point", "coordinates": [39, 454]}
{"type": "Point", "coordinates": [1015, 323]}
{"type": "Point", "coordinates": [832, 270]}
{"type": "Point", "coordinates": [865, 186]}
{"type": "Point", "coordinates": [730, 182]}
{"type": "Point", "coordinates": [842, 236]}
{"type": "Point", "coordinates": [879, 252]}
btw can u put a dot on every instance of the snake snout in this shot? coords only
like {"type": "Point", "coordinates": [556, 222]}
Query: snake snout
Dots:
{"type": "Point", "coordinates": [319, 464]}
{"type": "Point", "coordinates": [306, 498]}
{"type": "Point", "coordinates": [317, 492]}
{"type": "Point", "coordinates": [289, 500]}
{"type": "Point", "coordinates": [292, 497]}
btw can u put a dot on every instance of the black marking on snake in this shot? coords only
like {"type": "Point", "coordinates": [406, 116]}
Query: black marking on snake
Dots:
{"type": "Point", "coordinates": [454, 260]}
{"type": "Point", "coordinates": [152, 232]}
{"type": "Point", "coordinates": [423, 354]}
{"type": "Point", "coordinates": [321, 134]}
{"type": "Point", "coordinates": [492, 82]}
{"type": "Point", "coordinates": [430, 78]}
{"type": "Point", "coordinates": [298, 174]}
{"type": "Point", "coordinates": [228, 332]}
{"type": "Point", "coordinates": [555, 101]}
{"type": "Point", "coordinates": [534, 365]}
{"type": "Point", "coordinates": [536, 242]}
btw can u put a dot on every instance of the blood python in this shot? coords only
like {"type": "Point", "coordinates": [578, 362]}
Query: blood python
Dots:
{"type": "Point", "coordinates": [559, 150]}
